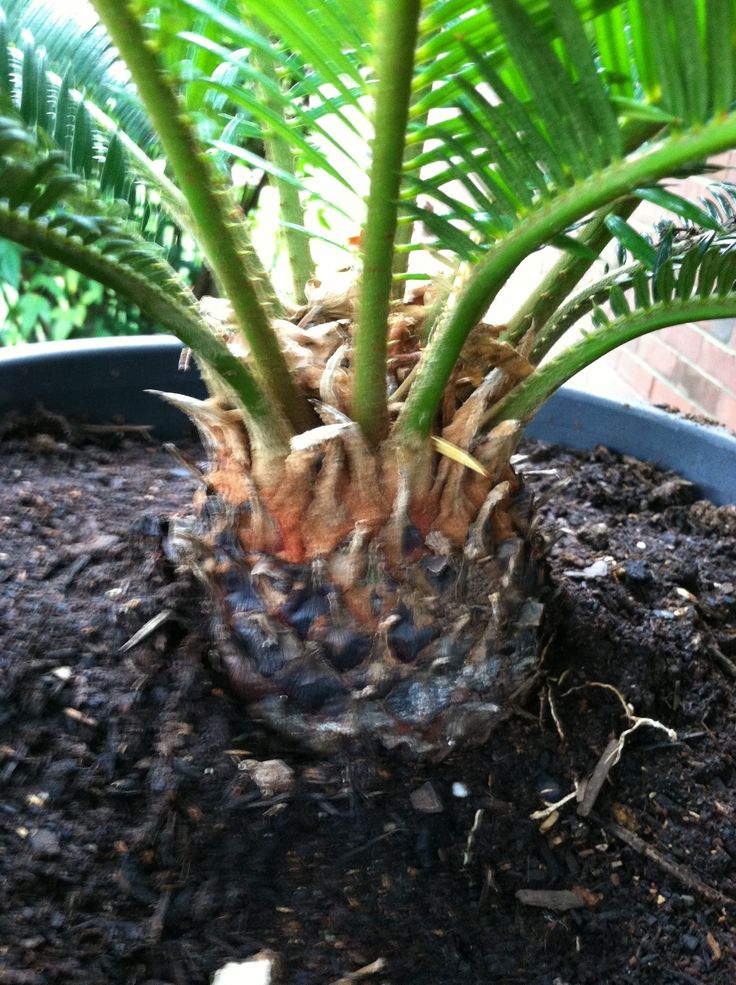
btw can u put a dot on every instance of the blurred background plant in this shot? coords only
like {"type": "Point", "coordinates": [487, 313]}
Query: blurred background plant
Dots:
{"type": "Point", "coordinates": [95, 121]}
{"type": "Point", "coordinates": [42, 300]}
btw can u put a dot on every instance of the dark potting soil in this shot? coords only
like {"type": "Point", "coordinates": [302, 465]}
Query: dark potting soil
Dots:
{"type": "Point", "coordinates": [136, 848]}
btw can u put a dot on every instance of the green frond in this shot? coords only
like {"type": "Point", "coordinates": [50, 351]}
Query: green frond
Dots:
{"type": "Point", "coordinates": [525, 400]}
{"type": "Point", "coordinates": [692, 266]}
{"type": "Point", "coordinates": [640, 247]}
{"type": "Point", "coordinates": [514, 124]}
{"type": "Point", "coordinates": [46, 208]}
{"type": "Point", "coordinates": [220, 231]}
{"type": "Point", "coordinates": [78, 49]}
{"type": "Point", "coordinates": [79, 129]}
{"type": "Point", "coordinates": [552, 98]}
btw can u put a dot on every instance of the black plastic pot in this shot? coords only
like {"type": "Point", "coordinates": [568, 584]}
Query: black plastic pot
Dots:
{"type": "Point", "coordinates": [103, 381]}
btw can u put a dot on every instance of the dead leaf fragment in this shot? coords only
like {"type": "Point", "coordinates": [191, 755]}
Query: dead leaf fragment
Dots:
{"type": "Point", "coordinates": [558, 900]}
{"type": "Point", "coordinates": [715, 947]}
{"type": "Point", "coordinates": [426, 799]}
{"type": "Point", "coordinates": [549, 821]}
{"type": "Point", "coordinates": [271, 776]}
{"type": "Point", "coordinates": [625, 816]}
{"type": "Point", "coordinates": [587, 896]}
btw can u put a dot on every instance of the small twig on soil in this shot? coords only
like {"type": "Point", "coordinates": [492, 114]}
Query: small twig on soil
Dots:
{"type": "Point", "coordinates": [555, 716]}
{"type": "Point", "coordinates": [724, 662]}
{"type": "Point", "coordinates": [369, 969]}
{"type": "Point", "coordinates": [558, 900]}
{"type": "Point", "coordinates": [589, 789]}
{"type": "Point", "coordinates": [146, 629]}
{"type": "Point", "coordinates": [674, 869]}
{"type": "Point", "coordinates": [586, 792]}
{"type": "Point", "coordinates": [609, 759]}
{"type": "Point", "coordinates": [551, 808]}
{"type": "Point", "coordinates": [469, 852]}
{"type": "Point", "coordinates": [373, 841]}
{"type": "Point", "coordinates": [144, 430]}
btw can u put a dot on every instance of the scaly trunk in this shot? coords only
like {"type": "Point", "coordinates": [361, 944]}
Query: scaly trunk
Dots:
{"type": "Point", "coordinates": [360, 593]}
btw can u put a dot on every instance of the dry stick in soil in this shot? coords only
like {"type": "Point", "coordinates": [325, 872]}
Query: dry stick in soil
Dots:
{"type": "Point", "coordinates": [679, 872]}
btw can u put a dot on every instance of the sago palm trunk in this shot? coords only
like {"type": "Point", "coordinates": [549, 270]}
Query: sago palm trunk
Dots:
{"type": "Point", "coordinates": [362, 592]}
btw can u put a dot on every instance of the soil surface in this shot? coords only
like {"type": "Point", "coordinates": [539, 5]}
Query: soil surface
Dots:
{"type": "Point", "coordinates": [139, 845]}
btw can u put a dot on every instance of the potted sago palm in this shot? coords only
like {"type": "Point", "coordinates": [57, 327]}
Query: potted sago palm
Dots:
{"type": "Point", "coordinates": [368, 551]}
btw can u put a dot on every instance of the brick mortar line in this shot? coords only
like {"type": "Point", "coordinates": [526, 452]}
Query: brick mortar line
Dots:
{"type": "Point", "coordinates": [673, 386]}
{"type": "Point", "coordinates": [719, 384]}
{"type": "Point", "coordinates": [728, 348]}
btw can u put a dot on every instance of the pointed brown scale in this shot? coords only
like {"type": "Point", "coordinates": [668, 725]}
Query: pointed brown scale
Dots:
{"type": "Point", "coordinates": [476, 488]}
{"type": "Point", "coordinates": [346, 648]}
{"type": "Point", "coordinates": [457, 510]}
{"type": "Point", "coordinates": [348, 565]}
{"type": "Point", "coordinates": [442, 475]}
{"type": "Point", "coordinates": [477, 353]}
{"type": "Point", "coordinates": [463, 427]}
{"type": "Point", "coordinates": [273, 582]}
{"type": "Point", "coordinates": [268, 644]}
{"type": "Point", "coordinates": [364, 495]}
{"type": "Point", "coordinates": [223, 436]}
{"type": "Point", "coordinates": [403, 328]}
{"type": "Point", "coordinates": [237, 589]}
{"type": "Point", "coordinates": [333, 298]}
{"type": "Point", "coordinates": [404, 343]}
{"type": "Point", "coordinates": [484, 350]}
{"type": "Point", "coordinates": [310, 602]}
{"type": "Point", "coordinates": [246, 682]}
{"type": "Point", "coordinates": [326, 521]}
{"type": "Point", "coordinates": [496, 448]}
{"type": "Point", "coordinates": [418, 466]}
{"type": "Point", "coordinates": [360, 604]}
{"type": "Point", "coordinates": [449, 651]}
{"type": "Point", "coordinates": [487, 643]}
{"type": "Point", "coordinates": [256, 529]}
{"type": "Point", "coordinates": [513, 558]}
{"type": "Point", "coordinates": [400, 539]}
{"type": "Point", "coordinates": [502, 520]}
{"type": "Point", "coordinates": [310, 681]}
{"type": "Point", "coordinates": [334, 385]}
{"type": "Point", "coordinates": [288, 499]}
{"type": "Point", "coordinates": [383, 649]}
{"type": "Point", "coordinates": [325, 339]}
{"type": "Point", "coordinates": [477, 544]}
{"type": "Point", "coordinates": [307, 350]}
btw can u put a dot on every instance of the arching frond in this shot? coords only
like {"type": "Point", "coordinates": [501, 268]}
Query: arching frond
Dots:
{"type": "Point", "coordinates": [47, 208]}
{"type": "Point", "coordinates": [544, 143]}
{"type": "Point", "coordinates": [694, 282]}
{"type": "Point", "coordinates": [91, 142]}
{"type": "Point", "coordinates": [78, 49]}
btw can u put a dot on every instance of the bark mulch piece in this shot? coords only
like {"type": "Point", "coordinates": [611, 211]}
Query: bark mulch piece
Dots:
{"type": "Point", "coordinates": [135, 848]}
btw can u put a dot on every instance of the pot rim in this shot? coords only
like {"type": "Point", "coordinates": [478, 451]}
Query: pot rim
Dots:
{"type": "Point", "coordinates": [103, 379]}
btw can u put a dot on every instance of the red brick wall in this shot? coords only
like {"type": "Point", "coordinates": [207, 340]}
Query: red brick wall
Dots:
{"type": "Point", "coordinates": [690, 367]}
